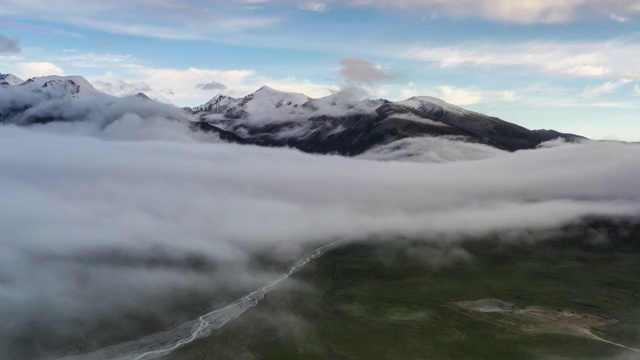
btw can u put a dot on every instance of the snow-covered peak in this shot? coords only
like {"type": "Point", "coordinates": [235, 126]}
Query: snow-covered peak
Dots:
{"type": "Point", "coordinates": [337, 105]}
{"type": "Point", "coordinates": [142, 95]}
{"type": "Point", "coordinates": [71, 87]}
{"type": "Point", "coordinates": [268, 98]}
{"type": "Point", "coordinates": [10, 80]}
{"type": "Point", "coordinates": [219, 104]}
{"type": "Point", "coordinates": [431, 105]}
{"type": "Point", "coordinates": [268, 105]}
{"type": "Point", "coordinates": [269, 91]}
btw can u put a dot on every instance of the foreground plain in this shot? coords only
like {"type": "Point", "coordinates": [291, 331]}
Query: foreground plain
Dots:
{"type": "Point", "coordinates": [393, 300]}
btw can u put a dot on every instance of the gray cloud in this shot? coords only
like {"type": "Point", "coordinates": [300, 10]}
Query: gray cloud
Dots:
{"type": "Point", "coordinates": [9, 45]}
{"type": "Point", "coordinates": [360, 71]}
{"type": "Point", "coordinates": [214, 85]}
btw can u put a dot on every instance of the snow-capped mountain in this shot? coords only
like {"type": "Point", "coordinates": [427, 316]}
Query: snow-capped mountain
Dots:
{"type": "Point", "coordinates": [9, 80]}
{"type": "Point", "coordinates": [218, 105]}
{"type": "Point", "coordinates": [334, 124]}
{"type": "Point", "coordinates": [53, 87]}
{"type": "Point", "coordinates": [47, 99]}
{"type": "Point", "coordinates": [419, 128]}
{"type": "Point", "coordinates": [263, 105]}
{"type": "Point", "coordinates": [59, 87]}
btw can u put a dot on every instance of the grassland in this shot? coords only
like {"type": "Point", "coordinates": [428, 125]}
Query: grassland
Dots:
{"type": "Point", "coordinates": [391, 300]}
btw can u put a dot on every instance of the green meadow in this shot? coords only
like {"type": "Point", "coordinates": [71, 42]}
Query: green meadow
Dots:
{"type": "Point", "coordinates": [392, 300]}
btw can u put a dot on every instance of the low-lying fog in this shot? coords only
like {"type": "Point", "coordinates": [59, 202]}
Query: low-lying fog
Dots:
{"type": "Point", "coordinates": [98, 224]}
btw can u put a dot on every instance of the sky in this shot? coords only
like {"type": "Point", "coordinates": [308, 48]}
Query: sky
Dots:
{"type": "Point", "coordinates": [566, 65]}
{"type": "Point", "coordinates": [170, 220]}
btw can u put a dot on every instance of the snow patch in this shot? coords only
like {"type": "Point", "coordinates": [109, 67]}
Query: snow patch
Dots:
{"type": "Point", "coordinates": [431, 105]}
{"type": "Point", "coordinates": [9, 80]}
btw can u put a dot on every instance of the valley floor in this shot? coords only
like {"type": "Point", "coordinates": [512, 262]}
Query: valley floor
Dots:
{"type": "Point", "coordinates": [393, 300]}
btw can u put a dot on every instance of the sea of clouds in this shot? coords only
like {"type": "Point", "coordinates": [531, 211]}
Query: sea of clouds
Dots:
{"type": "Point", "coordinates": [116, 221]}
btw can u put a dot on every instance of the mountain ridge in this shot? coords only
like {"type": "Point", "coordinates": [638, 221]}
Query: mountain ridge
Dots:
{"type": "Point", "coordinates": [334, 124]}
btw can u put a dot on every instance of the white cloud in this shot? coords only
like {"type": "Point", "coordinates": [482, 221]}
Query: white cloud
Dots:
{"type": "Point", "coordinates": [470, 96]}
{"type": "Point", "coordinates": [618, 18]}
{"type": "Point", "coordinates": [460, 96]}
{"type": "Point", "coordinates": [606, 88]}
{"type": "Point", "coordinates": [614, 59]}
{"type": "Point", "coordinates": [430, 150]}
{"type": "Point", "coordinates": [314, 6]}
{"type": "Point", "coordinates": [27, 70]}
{"type": "Point", "coordinates": [588, 71]}
{"type": "Point", "coordinates": [518, 11]}
{"type": "Point", "coordinates": [292, 84]}
{"type": "Point", "coordinates": [121, 87]}
{"type": "Point", "coordinates": [92, 60]}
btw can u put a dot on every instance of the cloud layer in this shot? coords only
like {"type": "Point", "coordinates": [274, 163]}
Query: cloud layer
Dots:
{"type": "Point", "coordinates": [94, 230]}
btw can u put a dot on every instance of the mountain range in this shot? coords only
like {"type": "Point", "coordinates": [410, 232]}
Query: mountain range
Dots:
{"type": "Point", "coordinates": [336, 124]}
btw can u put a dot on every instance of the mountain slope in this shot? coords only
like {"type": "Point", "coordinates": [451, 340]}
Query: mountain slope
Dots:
{"type": "Point", "coordinates": [490, 130]}
{"type": "Point", "coordinates": [9, 80]}
{"type": "Point", "coordinates": [269, 117]}
{"type": "Point", "coordinates": [43, 100]}
{"type": "Point", "coordinates": [417, 129]}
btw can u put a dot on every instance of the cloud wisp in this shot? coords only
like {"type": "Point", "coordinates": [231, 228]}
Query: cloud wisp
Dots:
{"type": "Point", "coordinates": [158, 19]}
{"type": "Point", "coordinates": [314, 6]}
{"type": "Point", "coordinates": [606, 88]}
{"type": "Point", "coordinates": [519, 12]}
{"type": "Point", "coordinates": [105, 232]}
{"type": "Point", "coordinates": [609, 59]}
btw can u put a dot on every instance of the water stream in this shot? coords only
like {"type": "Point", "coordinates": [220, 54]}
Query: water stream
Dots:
{"type": "Point", "coordinates": [163, 343]}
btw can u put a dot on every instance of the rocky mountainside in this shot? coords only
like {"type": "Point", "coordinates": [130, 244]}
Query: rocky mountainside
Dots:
{"type": "Point", "coordinates": [269, 117]}
{"type": "Point", "coordinates": [418, 129]}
